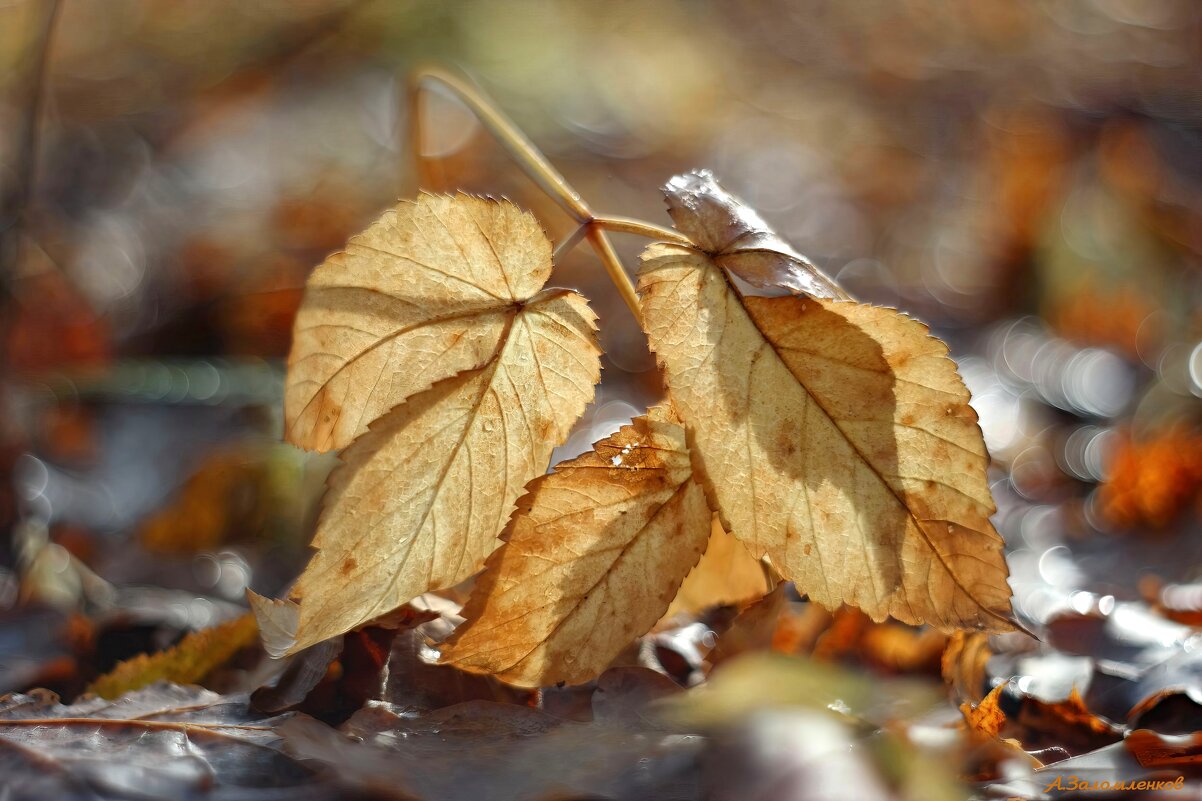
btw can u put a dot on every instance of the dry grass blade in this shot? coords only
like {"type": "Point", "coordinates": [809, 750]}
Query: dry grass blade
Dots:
{"type": "Point", "coordinates": [420, 499]}
{"type": "Point", "coordinates": [427, 291]}
{"type": "Point", "coordinates": [593, 556]}
{"type": "Point", "coordinates": [834, 437]}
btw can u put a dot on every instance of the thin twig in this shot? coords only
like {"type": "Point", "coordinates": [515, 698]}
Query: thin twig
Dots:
{"type": "Point", "coordinates": [617, 273]}
{"type": "Point", "coordinates": [629, 225]}
{"type": "Point", "coordinates": [18, 203]}
{"type": "Point", "coordinates": [508, 135]}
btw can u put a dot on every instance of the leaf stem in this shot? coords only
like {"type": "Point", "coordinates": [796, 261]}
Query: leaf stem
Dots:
{"type": "Point", "coordinates": [629, 225]}
{"type": "Point", "coordinates": [508, 135]}
{"type": "Point", "coordinates": [535, 165]}
{"type": "Point", "coordinates": [617, 273]}
{"type": "Point", "coordinates": [17, 200]}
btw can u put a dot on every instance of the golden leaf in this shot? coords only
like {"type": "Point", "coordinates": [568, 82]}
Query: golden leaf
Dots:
{"type": "Point", "coordinates": [187, 662]}
{"type": "Point", "coordinates": [426, 292]}
{"type": "Point", "coordinates": [964, 662]}
{"type": "Point", "coordinates": [593, 557]}
{"type": "Point", "coordinates": [835, 438]}
{"type": "Point", "coordinates": [726, 574]}
{"type": "Point", "coordinates": [1155, 750]}
{"type": "Point", "coordinates": [420, 498]}
{"type": "Point", "coordinates": [987, 717]}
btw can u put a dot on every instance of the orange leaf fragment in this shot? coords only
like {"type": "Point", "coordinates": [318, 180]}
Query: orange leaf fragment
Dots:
{"type": "Point", "coordinates": [986, 717]}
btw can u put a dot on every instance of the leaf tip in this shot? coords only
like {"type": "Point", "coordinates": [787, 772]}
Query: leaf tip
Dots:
{"type": "Point", "coordinates": [278, 620]}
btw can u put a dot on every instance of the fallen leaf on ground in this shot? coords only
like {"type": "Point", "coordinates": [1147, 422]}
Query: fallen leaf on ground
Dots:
{"type": "Point", "coordinates": [850, 636]}
{"type": "Point", "coordinates": [416, 681]}
{"type": "Point", "coordinates": [164, 741]}
{"type": "Point", "coordinates": [1098, 775]}
{"type": "Point", "coordinates": [842, 636]}
{"type": "Point", "coordinates": [800, 627]}
{"type": "Point", "coordinates": [225, 495]}
{"type": "Point", "coordinates": [1154, 750]}
{"type": "Point", "coordinates": [1181, 603]}
{"type": "Point", "coordinates": [986, 717]}
{"type": "Point", "coordinates": [835, 438]}
{"type": "Point", "coordinates": [187, 662]}
{"type": "Point", "coordinates": [1151, 479]}
{"type": "Point", "coordinates": [592, 558]}
{"type": "Point", "coordinates": [1068, 724]}
{"type": "Point", "coordinates": [898, 648]}
{"type": "Point", "coordinates": [305, 672]}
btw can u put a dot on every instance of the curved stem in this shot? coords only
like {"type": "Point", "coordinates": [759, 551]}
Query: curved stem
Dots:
{"type": "Point", "coordinates": [521, 149]}
{"type": "Point", "coordinates": [535, 165]}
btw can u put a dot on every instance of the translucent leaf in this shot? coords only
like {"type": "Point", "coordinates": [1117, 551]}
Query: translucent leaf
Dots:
{"type": "Point", "coordinates": [834, 437]}
{"type": "Point", "coordinates": [427, 291]}
{"type": "Point", "coordinates": [594, 555]}
{"type": "Point", "coordinates": [420, 499]}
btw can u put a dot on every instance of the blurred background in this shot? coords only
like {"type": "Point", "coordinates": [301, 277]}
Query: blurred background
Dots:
{"type": "Point", "coordinates": [1025, 177]}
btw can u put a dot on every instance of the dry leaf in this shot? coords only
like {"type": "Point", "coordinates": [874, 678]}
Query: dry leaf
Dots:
{"type": "Point", "coordinates": [187, 662]}
{"type": "Point", "coordinates": [427, 291]}
{"type": "Point", "coordinates": [593, 557]}
{"type": "Point", "coordinates": [420, 499]}
{"type": "Point", "coordinates": [1066, 724]}
{"type": "Point", "coordinates": [986, 717]}
{"type": "Point", "coordinates": [835, 438]}
{"type": "Point", "coordinates": [726, 574]}
{"type": "Point", "coordinates": [304, 673]}
{"type": "Point", "coordinates": [896, 648]}
{"type": "Point", "coordinates": [800, 628]}
{"type": "Point", "coordinates": [226, 496]}
{"type": "Point", "coordinates": [1151, 480]}
{"type": "Point", "coordinates": [753, 629]}
{"type": "Point", "coordinates": [163, 741]}
{"type": "Point", "coordinates": [1155, 750]}
{"type": "Point", "coordinates": [737, 238]}
{"type": "Point", "coordinates": [963, 664]}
